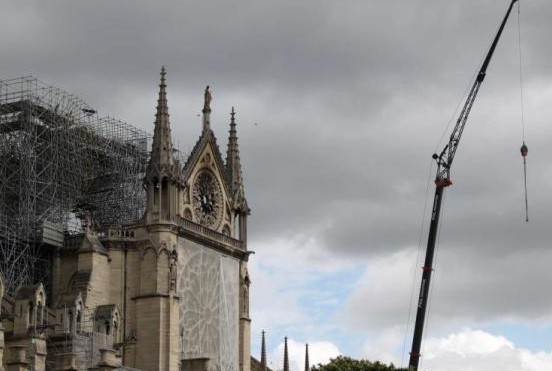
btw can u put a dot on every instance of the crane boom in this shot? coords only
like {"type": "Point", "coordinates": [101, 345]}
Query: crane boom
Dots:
{"type": "Point", "coordinates": [442, 180]}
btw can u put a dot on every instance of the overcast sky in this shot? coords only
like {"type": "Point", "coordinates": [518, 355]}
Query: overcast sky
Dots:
{"type": "Point", "coordinates": [340, 105]}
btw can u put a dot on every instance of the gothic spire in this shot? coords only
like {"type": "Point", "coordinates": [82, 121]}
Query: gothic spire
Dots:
{"type": "Point", "coordinates": [307, 364]}
{"type": "Point", "coordinates": [286, 358]}
{"type": "Point", "coordinates": [162, 160]}
{"type": "Point", "coordinates": [263, 352]}
{"type": "Point", "coordinates": [233, 166]}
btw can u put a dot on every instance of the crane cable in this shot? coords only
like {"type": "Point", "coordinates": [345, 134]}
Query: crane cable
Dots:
{"type": "Point", "coordinates": [524, 149]}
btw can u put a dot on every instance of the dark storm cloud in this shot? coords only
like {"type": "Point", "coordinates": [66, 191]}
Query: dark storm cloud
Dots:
{"type": "Point", "coordinates": [350, 98]}
{"type": "Point", "coordinates": [350, 47]}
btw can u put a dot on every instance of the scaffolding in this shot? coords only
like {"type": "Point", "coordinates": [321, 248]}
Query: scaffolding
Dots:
{"type": "Point", "coordinates": [63, 170]}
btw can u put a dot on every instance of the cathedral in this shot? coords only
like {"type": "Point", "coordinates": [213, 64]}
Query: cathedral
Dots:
{"type": "Point", "coordinates": [169, 291]}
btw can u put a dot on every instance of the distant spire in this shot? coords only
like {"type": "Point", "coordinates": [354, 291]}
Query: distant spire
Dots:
{"type": "Point", "coordinates": [162, 147]}
{"type": "Point", "coordinates": [307, 364]}
{"type": "Point", "coordinates": [286, 358]}
{"type": "Point", "coordinates": [207, 109]}
{"type": "Point", "coordinates": [263, 352]}
{"type": "Point", "coordinates": [233, 166]}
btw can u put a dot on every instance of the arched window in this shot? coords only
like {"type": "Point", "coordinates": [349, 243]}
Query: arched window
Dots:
{"type": "Point", "coordinates": [155, 190]}
{"type": "Point", "coordinates": [79, 321]}
{"type": "Point", "coordinates": [246, 301]}
{"type": "Point", "coordinates": [71, 319]}
{"type": "Point", "coordinates": [115, 332]}
{"type": "Point", "coordinates": [40, 309]}
{"type": "Point", "coordinates": [40, 314]}
{"type": "Point", "coordinates": [31, 314]}
{"type": "Point", "coordinates": [165, 195]}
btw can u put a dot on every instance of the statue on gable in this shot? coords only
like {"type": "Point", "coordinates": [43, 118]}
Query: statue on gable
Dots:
{"type": "Point", "coordinates": [208, 99]}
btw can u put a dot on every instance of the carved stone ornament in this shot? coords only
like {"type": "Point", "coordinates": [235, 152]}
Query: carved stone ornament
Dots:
{"type": "Point", "coordinates": [173, 271]}
{"type": "Point", "coordinates": [188, 214]}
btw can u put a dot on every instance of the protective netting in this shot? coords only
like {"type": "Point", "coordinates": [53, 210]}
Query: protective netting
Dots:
{"type": "Point", "coordinates": [209, 313]}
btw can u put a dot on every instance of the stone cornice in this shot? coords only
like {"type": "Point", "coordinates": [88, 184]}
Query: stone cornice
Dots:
{"type": "Point", "coordinates": [213, 239]}
{"type": "Point", "coordinates": [119, 238]}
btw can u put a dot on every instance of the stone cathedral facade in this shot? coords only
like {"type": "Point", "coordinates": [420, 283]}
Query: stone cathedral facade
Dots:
{"type": "Point", "coordinates": [168, 293]}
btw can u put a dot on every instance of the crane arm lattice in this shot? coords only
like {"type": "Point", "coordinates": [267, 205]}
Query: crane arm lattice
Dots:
{"type": "Point", "coordinates": [445, 158]}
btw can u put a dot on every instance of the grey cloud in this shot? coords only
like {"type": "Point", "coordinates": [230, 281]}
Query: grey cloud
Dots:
{"type": "Point", "coordinates": [468, 290]}
{"type": "Point", "coordinates": [350, 97]}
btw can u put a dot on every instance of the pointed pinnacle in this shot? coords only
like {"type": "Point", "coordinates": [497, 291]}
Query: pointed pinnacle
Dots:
{"type": "Point", "coordinates": [307, 363]}
{"type": "Point", "coordinates": [162, 100]}
{"type": "Point", "coordinates": [263, 351]}
{"type": "Point", "coordinates": [286, 358]}
{"type": "Point", "coordinates": [232, 115]}
{"type": "Point", "coordinates": [161, 154]}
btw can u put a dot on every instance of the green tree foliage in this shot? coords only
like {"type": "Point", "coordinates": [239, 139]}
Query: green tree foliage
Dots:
{"type": "Point", "coordinates": [342, 363]}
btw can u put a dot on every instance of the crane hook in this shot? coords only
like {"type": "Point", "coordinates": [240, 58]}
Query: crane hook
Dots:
{"type": "Point", "coordinates": [524, 150]}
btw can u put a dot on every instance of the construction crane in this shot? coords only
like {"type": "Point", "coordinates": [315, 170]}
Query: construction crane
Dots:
{"type": "Point", "coordinates": [442, 180]}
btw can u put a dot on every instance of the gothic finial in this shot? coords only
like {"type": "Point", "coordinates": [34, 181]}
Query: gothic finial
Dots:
{"type": "Point", "coordinates": [286, 357]}
{"type": "Point", "coordinates": [307, 363]}
{"type": "Point", "coordinates": [263, 352]}
{"type": "Point", "coordinates": [233, 167]}
{"type": "Point", "coordinates": [163, 73]}
{"type": "Point", "coordinates": [161, 154]}
{"type": "Point", "coordinates": [162, 109]}
{"type": "Point", "coordinates": [207, 100]}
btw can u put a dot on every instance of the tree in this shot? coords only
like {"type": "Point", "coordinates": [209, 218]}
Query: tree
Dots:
{"type": "Point", "coordinates": [343, 363]}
